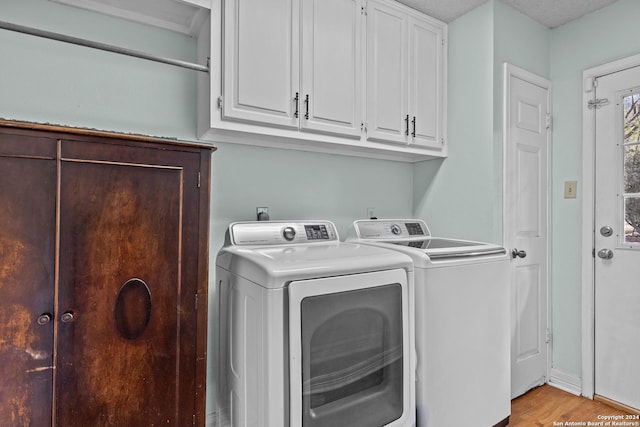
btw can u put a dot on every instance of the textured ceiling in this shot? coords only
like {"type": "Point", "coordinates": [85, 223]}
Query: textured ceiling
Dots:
{"type": "Point", "coordinates": [550, 13]}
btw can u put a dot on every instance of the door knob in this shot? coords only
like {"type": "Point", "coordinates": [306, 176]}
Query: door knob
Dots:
{"type": "Point", "coordinates": [516, 253]}
{"type": "Point", "coordinates": [44, 318]}
{"type": "Point", "coordinates": [605, 253]}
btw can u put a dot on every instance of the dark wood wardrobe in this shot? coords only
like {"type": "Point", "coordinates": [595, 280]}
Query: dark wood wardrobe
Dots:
{"type": "Point", "coordinates": [103, 279]}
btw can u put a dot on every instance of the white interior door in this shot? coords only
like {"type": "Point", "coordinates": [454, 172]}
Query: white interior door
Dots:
{"type": "Point", "coordinates": [526, 151]}
{"type": "Point", "coordinates": [617, 238]}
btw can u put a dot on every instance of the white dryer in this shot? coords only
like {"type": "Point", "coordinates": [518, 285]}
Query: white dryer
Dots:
{"type": "Point", "coordinates": [312, 332]}
{"type": "Point", "coordinates": [462, 323]}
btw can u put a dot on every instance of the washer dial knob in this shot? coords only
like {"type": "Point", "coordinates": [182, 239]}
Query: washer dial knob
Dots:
{"type": "Point", "coordinates": [289, 233]}
{"type": "Point", "coordinates": [395, 229]}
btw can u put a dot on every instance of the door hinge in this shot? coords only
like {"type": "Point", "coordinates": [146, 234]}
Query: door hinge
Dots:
{"type": "Point", "coordinates": [194, 419]}
{"type": "Point", "coordinates": [199, 177]}
{"type": "Point", "coordinates": [363, 8]}
{"type": "Point", "coordinates": [196, 301]}
{"type": "Point", "coordinates": [363, 127]}
{"type": "Point", "coordinates": [549, 121]}
{"type": "Point", "coordinates": [597, 103]}
{"type": "Point", "coordinates": [220, 102]}
{"type": "Point", "coordinates": [549, 337]}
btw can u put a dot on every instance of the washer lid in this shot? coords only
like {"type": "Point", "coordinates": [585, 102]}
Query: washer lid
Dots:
{"type": "Point", "coordinates": [438, 248]}
{"type": "Point", "coordinates": [414, 235]}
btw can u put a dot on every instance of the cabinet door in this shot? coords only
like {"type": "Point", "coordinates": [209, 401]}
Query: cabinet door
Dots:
{"type": "Point", "coordinates": [331, 66]}
{"type": "Point", "coordinates": [128, 272]}
{"type": "Point", "coordinates": [261, 61]}
{"type": "Point", "coordinates": [27, 254]}
{"type": "Point", "coordinates": [426, 82]}
{"type": "Point", "coordinates": [387, 105]}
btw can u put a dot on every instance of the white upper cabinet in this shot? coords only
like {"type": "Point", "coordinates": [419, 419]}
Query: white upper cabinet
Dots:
{"type": "Point", "coordinates": [387, 72]}
{"type": "Point", "coordinates": [330, 96]}
{"type": "Point", "coordinates": [427, 82]}
{"type": "Point", "coordinates": [406, 76]}
{"type": "Point", "coordinates": [277, 76]}
{"type": "Point", "coordinates": [352, 77]}
{"type": "Point", "coordinates": [261, 63]}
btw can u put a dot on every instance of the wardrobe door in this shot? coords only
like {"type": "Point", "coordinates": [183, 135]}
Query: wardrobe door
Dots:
{"type": "Point", "coordinates": [128, 272]}
{"type": "Point", "coordinates": [27, 248]}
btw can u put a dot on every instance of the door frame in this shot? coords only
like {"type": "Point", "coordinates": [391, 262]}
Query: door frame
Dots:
{"type": "Point", "coordinates": [588, 216]}
{"type": "Point", "coordinates": [509, 71]}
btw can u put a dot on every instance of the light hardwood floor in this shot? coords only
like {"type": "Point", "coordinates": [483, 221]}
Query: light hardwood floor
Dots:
{"type": "Point", "coordinates": [548, 406]}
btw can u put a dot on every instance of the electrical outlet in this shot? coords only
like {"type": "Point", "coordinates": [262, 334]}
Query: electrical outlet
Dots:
{"type": "Point", "coordinates": [570, 189]}
{"type": "Point", "coordinates": [262, 214]}
{"type": "Point", "coordinates": [371, 213]}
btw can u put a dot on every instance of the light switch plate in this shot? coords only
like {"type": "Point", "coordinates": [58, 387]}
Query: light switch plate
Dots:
{"type": "Point", "coordinates": [570, 189]}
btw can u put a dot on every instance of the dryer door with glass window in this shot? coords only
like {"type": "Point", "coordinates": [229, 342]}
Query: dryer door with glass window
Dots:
{"type": "Point", "coordinates": [350, 350]}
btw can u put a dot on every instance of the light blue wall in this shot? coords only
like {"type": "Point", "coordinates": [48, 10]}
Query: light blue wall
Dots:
{"type": "Point", "coordinates": [595, 39]}
{"type": "Point", "coordinates": [51, 82]}
{"type": "Point", "coordinates": [455, 196]}
{"type": "Point", "coordinates": [523, 42]}
{"type": "Point", "coordinates": [461, 196]}
{"type": "Point", "coordinates": [297, 185]}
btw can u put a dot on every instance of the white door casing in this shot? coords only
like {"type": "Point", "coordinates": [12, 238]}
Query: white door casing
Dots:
{"type": "Point", "coordinates": [617, 290]}
{"type": "Point", "coordinates": [527, 139]}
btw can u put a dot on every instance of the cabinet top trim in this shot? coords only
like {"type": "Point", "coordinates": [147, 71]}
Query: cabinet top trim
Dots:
{"type": "Point", "coordinates": [14, 124]}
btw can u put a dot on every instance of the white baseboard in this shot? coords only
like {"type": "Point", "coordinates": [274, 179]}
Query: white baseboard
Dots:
{"type": "Point", "coordinates": [567, 382]}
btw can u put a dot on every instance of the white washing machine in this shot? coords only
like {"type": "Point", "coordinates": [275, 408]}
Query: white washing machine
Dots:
{"type": "Point", "coordinates": [312, 332]}
{"type": "Point", "coordinates": [462, 323]}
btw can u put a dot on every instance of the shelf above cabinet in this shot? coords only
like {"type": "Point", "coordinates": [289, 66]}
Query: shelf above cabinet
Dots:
{"type": "Point", "coordinates": [182, 16]}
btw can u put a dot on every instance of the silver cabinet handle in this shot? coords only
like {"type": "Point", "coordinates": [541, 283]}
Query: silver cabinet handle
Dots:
{"type": "Point", "coordinates": [605, 253]}
{"type": "Point", "coordinates": [306, 103]}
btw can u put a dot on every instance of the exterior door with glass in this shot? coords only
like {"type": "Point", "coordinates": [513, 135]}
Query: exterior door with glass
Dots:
{"type": "Point", "coordinates": [617, 237]}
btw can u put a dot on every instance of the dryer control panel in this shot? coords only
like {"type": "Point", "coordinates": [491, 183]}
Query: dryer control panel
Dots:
{"type": "Point", "coordinates": [391, 229]}
{"type": "Point", "coordinates": [281, 232]}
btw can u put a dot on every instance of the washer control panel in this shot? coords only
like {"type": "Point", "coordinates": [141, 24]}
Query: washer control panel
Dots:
{"type": "Point", "coordinates": [281, 232]}
{"type": "Point", "coordinates": [391, 229]}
